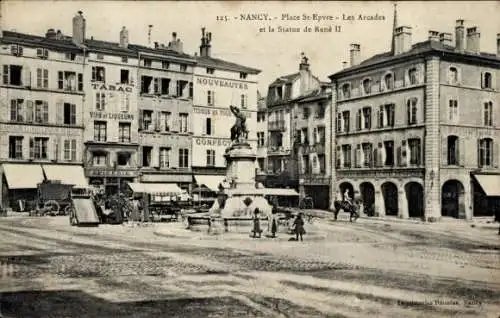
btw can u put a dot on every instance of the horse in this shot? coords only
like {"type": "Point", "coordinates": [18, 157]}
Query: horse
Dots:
{"type": "Point", "coordinates": [351, 208]}
{"type": "Point", "coordinates": [237, 132]}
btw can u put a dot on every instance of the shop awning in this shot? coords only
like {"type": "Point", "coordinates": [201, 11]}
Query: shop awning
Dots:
{"type": "Point", "coordinates": [161, 189]}
{"type": "Point", "coordinates": [490, 184]}
{"type": "Point", "coordinates": [23, 176]}
{"type": "Point", "coordinates": [66, 174]}
{"type": "Point", "coordinates": [211, 182]}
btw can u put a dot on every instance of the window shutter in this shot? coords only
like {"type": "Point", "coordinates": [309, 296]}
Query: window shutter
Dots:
{"type": "Point", "coordinates": [60, 112]}
{"type": "Point", "coordinates": [73, 150]}
{"type": "Point", "coordinates": [399, 156]}
{"type": "Point", "coordinates": [444, 151]}
{"type": "Point", "coordinates": [29, 111]}
{"type": "Point", "coordinates": [482, 79]}
{"type": "Point", "coordinates": [461, 151]}
{"type": "Point", "coordinates": [6, 69]}
{"type": "Point", "coordinates": [45, 112]}
{"type": "Point", "coordinates": [73, 114]}
{"type": "Point", "coordinates": [355, 157]}
{"type": "Point", "coordinates": [155, 157]}
{"type": "Point", "coordinates": [479, 153]}
{"type": "Point", "coordinates": [407, 78]}
{"type": "Point", "coordinates": [376, 159]}
{"type": "Point", "coordinates": [141, 119]}
{"type": "Point", "coordinates": [26, 76]}
{"type": "Point", "coordinates": [39, 74]}
{"type": "Point", "coordinates": [156, 119]}
{"type": "Point", "coordinates": [32, 146]}
{"type": "Point", "coordinates": [339, 157]}
{"type": "Point", "coordinates": [495, 154]}
{"type": "Point", "coordinates": [407, 153]}
{"type": "Point", "coordinates": [421, 74]}
{"type": "Point", "coordinates": [383, 155]}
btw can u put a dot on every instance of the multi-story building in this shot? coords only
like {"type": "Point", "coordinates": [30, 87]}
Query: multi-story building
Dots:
{"type": "Point", "coordinates": [261, 138]}
{"type": "Point", "coordinates": [165, 111]}
{"type": "Point", "coordinates": [281, 100]}
{"type": "Point", "coordinates": [41, 114]}
{"type": "Point", "coordinates": [312, 149]}
{"type": "Point", "coordinates": [110, 118]}
{"type": "Point", "coordinates": [217, 85]}
{"type": "Point", "coordinates": [417, 128]}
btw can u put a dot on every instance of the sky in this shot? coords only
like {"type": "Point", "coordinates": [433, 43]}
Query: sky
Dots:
{"type": "Point", "coordinates": [275, 53]}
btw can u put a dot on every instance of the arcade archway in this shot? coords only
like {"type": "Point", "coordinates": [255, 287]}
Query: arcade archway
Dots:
{"type": "Point", "coordinates": [415, 196]}
{"type": "Point", "coordinates": [368, 197]}
{"type": "Point", "coordinates": [390, 194]}
{"type": "Point", "coordinates": [453, 199]}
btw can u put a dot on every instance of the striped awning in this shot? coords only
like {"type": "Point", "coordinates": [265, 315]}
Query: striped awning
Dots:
{"type": "Point", "coordinates": [490, 184]}
{"type": "Point", "coordinates": [23, 176]}
{"type": "Point", "coordinates": [160, 189]}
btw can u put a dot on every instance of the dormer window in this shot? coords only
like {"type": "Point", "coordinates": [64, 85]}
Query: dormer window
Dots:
{"type": "Point", "coordinates": [183, 67]}
{"type": "Point", "coordinates": [165, 65]}
{"type": "Point", "coordinates": [100, 56]}
{"type": "Point", "coordinates": [148, 62]}
{"type": "Point", "coordinates": [98, 74]}
{"type": "Point", "coordinates": [16, 50]}
{"type": "Point", "coordinates": [70, 56]}
{"type": "Point", "coordinates": [367, 86]}
{"type": "Point", "coordinates": [412, 76]}
{"type": "Point", "coordinates": [346, 90]}
{"type": "Point", "coordinates": [210, 70]}
{"type": "Point", "coordinates": [389, 82]}
{"type": "Point", "coordinates": [42, 53]}
{"type": "Point", "coordinates": [243, 75]}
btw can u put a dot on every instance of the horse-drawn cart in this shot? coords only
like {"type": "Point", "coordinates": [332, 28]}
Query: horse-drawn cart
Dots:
{"type": "Point", "coordinates": [82, 210]}
{"type": "Point", "coordinates": [53, 198]}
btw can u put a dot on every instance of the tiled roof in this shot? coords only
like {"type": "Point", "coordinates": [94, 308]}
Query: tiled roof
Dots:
{"type": "Point", "coordinates": [313, 95]}
{"type": "Point", "coordinates": [221, 64]}
{"type": "Point", "coordinates": [10, 37]}
{"type": "Point", "coordinates": [161, 50]}
{"type": "Point", "coordinates": [286, 79]}
{"type": "Point", "coordinates": [418, 48]}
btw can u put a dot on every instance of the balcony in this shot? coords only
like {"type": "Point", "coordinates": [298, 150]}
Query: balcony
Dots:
{"type": "Point", "coordinates": [277, 125]}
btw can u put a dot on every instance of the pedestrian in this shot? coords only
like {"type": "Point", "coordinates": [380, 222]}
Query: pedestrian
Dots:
{"type": "Point", "coordinates": [273, 223]}
{"type": "Point", "coordinates": [256, 231]}
{"type": "Point", "coordinates": [299, 227]}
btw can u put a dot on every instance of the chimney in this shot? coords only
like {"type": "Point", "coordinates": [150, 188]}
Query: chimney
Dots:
{"type": "Point", "coordinates": [150, 27]}
{"type": "Point", "coordinates": [473, 40]}
{"type": "Point", "coordinates": [402, 40]}
{"type": "Point", "coordinates": [205, 47]}
{"type": "Point", "coordinates": [59, 35]}
{"type": "Point", "coordinates": [51, 34]}
{"type": "Point", "coordinates": [79, 28]}
{"type": "Point", "coordinates": [156, 45]}
{"type": "Point", "coordinates": [355, 53]}
{"type": "Point", "coordinates": [175, 44]}
{"type": "Point", "coordinates": [459, 35]}
{"type": "Point", "coordinates": [344, 64]}
{"type": "Point", "coordinates": [434, 35]}
{"type": "Point", "coordinates": [498, 44]}
{"type": "Point", "coordinates": [445, 38]}
{"type": "Point", "coordinates": [124, 38]}
{"type": "Point", "coordinates": [305, 73]}
{"type": "Point", "coordinates": [304, 63]}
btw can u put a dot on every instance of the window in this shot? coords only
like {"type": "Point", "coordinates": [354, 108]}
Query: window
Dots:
{"type": "Point", "coordinates": [386, 116]}
{"type": "Point", "coordinates": [486, 80]}
{"type": "Point", "coordinates": [488, 114]}
{"type": "Point", "coordinates": [42, 78]}
{"type": "Point", "coordinates": [346, 156]}
{"type": "Point", "coordinates": [146, 156]}
{"type": "Point", "coordinates": [80, 82]}
{"type": "Point", "coordinates": [304, 136]}
{"type": "Point", "coordinates": [411, 111]}
{"type": "Point", "coordinates": [485, 152]}
{"type": "Point", "coordinates": [67, 81]}
{"type": "Point", "coordinates": [123, 158]}
{"type": "Point", "coordinates": [147, 120]}
{"type": "Point", "coordinates": [210, 157]}
{"type": "Point", "coordinates": [367, 118]}
{"type": "Point", "coordinates": [100, 129]}
{"type": "Point", "coordinates": [244, 101]}
{"type": "Point", "coordinates": [183, 158]}
{"type": "Point", "coordinates": [261, 116]}
{"type": "Point", "coordinates": [210, 70]}
{"type": "Point", "coordinates": [412, 76]}
{"type": "Point", "coordinates": [183, 123]}
{"type": "Point", "coordinates": [124, 132]}
{"type": "Point", "coordinates": [100, 56]}
{"type": "Point", "coordinates": [124, 59]}
{"type": "Point", "coordinates": [146, 87]}
{"type": "Point", "coordinates": [181, 86]}
{"type": "Point", "coordinates": [99, 158]}
{"type": "Point", "coordinates": [346, 91]}
{"type": "Point", "coordinates": [453, 110]}
{"type": "Point", "coordinates": [16, 50]}
{"type": "Point", "coordinates": [164, 157]}
{"type": "Point", "coordinates": [16, 110]}
{"type": "Point", "coordinates": [40, 112]}
{"type": "Point", "coordinates": [452, 75]}
{"type": "Point", "coordinates": [358, 119]}
{"type": "Point", "coordinates": [345, 121]}
{"type": "Point", "coordinates": [191, 91]}
{"type": "Point", "coordinates": [183, 67]}
{"type": "Point", "coordinates": [388, 82]}
{"type": "Point", "coordinates": [452, 148]}
{"type": "Point", "coordinates": [16, 147]}
{"type": "Point", "coordinates": [165, 84]}
{"type": "Point", "coordinates": [124, 77]}
{"type": "Point", "coordinates": [208, 126]}
{"type": "Point", "coordinates": [98, 74]}
{"type": "Point", "coordinates": [13, 75]}
{"type": "Point", "coordinates": [100, 101]}
{"type": "Point", "coordinates": [210, 98]}
{"type": "Point", "coordinates": [415, 151]}
{"type": "Point", "coordinates": [367, 86]}
{"type": "Point", "coordinates": [320, 110]}
{"type": "Point", "coordinates": [165, 121]}
{"type": "Point", "coordinates": [70, 150]}
{"type": "Point", "coordinates": [367, 154]}
{"type": "Point", "coordinates": [243, 75]}
{"type": "Point", "coordinates": [70, 56]}
{"type": "Point", "coordinates": [305, 113]}
{"type": "Point", "coordinates": [38, 147]}
{"type": "Point", "coordinates": [147, 62]}
{"type": "Point", "coordinates": [261, 139]}
{"type": "Point", "coordinates": [69, 114]}
{"type": "Point", "coordinates": [389, 153]}
{"type": "Point", "coordinates": [165, 65]}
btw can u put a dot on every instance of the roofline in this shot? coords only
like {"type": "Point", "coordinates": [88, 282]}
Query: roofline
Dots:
{"type": "Point", "coordinates": [494, 61]}
{"type": "Point", "coordinates": [313, 98]}
{"type": "Point", "coordinates": [244, 69]}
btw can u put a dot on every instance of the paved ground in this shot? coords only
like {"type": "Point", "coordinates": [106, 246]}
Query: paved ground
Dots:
{"type": "Point", "coordinates": [373, 267]}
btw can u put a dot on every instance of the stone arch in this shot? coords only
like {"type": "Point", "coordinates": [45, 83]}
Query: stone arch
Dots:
{"type": "Point", "coordinates": [389, 190]}
{"type": "Point", "coordinates": [347, 184]}
{"type": "Point", "coordinates": [453, 199]}
{"type": "Point", "coordinates": [414, 191]}
{"type": "Point", "coordinates": [367, 194]}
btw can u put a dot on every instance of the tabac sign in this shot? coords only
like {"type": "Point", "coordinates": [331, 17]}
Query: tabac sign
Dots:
{"type": "Point", "coordinates": [117, 88]}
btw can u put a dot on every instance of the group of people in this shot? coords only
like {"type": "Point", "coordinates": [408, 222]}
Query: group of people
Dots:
{"type": "Point", "coordinates": [297, 227]}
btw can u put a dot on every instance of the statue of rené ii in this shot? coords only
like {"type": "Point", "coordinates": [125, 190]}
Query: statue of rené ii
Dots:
{"type": "Point", "coordinates": [239, 132]}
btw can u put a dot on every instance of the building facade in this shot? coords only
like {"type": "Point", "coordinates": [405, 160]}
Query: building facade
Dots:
{"type": "Point", "coordinates": [41, 118]}
{"type": "Point", "coordinates": [261, 138]}
{"type": "Point", "coordinates": [218, 84]}
{"type": "Point", "coordinates": [165, 114]}
{"type": "Point", "coordinates": [282, 98]}
{"type": "Point", "coordinates": [409, 121]}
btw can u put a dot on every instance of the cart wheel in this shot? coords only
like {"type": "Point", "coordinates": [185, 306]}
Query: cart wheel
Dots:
{"type": "Point", "coordinates": [67, 210]}
{"type": "Point", "coordinates": [52, 206]}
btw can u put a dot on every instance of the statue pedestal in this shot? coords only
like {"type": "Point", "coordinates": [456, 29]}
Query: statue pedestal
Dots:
{"type": "Point", "coordinates": [240, 159]}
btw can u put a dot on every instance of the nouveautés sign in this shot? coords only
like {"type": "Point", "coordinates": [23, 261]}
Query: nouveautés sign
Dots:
{"type": "Point", "coordinates": [221, 83]}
